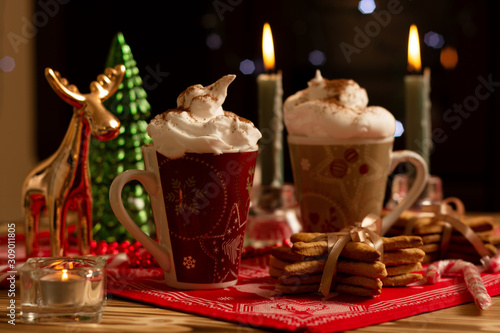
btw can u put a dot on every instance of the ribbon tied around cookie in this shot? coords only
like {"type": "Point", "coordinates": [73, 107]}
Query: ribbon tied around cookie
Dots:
{"type": "Point", "coordinates": [366, 231]}
{"type": "Point", "coordinates": [444, 212]}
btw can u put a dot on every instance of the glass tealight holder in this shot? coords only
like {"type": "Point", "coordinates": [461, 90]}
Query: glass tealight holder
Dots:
{"type": "Point", "coordinates": [63, 289]}
{"type": "Point", "coordinates": [273, 215]}
{"type": "Point", "coordinates": [432, 193]}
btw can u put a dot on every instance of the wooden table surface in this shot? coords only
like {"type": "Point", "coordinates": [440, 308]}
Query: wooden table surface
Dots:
{"type": "Point", "coordinates": [122, 315]}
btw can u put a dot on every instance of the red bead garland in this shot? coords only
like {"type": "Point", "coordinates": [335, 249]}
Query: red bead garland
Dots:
{"type": "Point", "coordinates": [139, 257]}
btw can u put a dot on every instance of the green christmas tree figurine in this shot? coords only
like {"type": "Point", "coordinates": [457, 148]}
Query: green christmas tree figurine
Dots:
{"type": "Point", "coordinates": [110, 158]}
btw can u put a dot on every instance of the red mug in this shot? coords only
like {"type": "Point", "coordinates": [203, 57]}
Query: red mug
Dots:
{"type": "Point", "coordinates": [200, 206]}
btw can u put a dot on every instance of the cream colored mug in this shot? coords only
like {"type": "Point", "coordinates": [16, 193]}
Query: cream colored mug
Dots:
{"type": "Point", "coordinates": [340, 181]}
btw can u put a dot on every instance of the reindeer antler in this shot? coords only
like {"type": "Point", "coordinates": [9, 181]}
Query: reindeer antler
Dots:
{"type": "Point", "coordinates": [67, 92]}
{"type": "Point", "coordinates": [107, 84]}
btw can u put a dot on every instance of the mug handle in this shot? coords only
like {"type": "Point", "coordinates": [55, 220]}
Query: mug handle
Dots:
{"type": "Point", "coordinates": [149, 180]}
{"type": "Point", "coordinates": [422, 176]}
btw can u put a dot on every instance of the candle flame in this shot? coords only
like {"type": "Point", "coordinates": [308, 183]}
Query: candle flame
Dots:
{"type": "Point", "coordinates": [64, 275]}
{"type": "Point", "coordinates": [267, 47]}
{"type": "Point", "coordinates": [414, 63]}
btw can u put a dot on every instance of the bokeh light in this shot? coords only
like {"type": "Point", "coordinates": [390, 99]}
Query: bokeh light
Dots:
{"type": "Point", "coordinates": [399, 129]}
{"type": "Point", "coordinates": [214, 41]}
{"type": "Point", "coordinates": [434, 40]}
{"type": "Point", "coordinates": [247, 66]}
{"type": "Point", "coordinates": [367, 6]}
{"type": "Point", "coordinates": [7, 64]}
{"type": "Point", "coordinates": [449, 57]}
{"type": "Point", "coordinates": [317, 58]}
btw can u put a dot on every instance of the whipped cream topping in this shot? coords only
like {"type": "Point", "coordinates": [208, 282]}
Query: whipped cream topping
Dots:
{"type": "Point", "coordinates": [200, 125]}
{"type": "Point", "coordinates": [337, 109]}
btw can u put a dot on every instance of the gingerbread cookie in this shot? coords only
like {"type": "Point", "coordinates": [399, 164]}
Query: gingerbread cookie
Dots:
{"type": "Point", "coordinates": [403, 256]}
{"type": "Point", "coordinates": [310, 249]}
{"type": "Point", "coordinates": [367, 269]}
{"type": "Point", "coordinates": [360, 281]}
{"type": "Point", "coordinates": [401, 242]}
{"type": "Point", "coordinates": [305, 236]}
{"type": "Point", "coordinates": [304, 267]}
{"type": "Point", "coordinates": [480, 223]}
{"type": "Point", "coordinates": [286, 253]}
{"type": "Point", "coordinates": [278, 263]}
{"type": "Point", "coordinates": [300, 279]}
{"type": "Point", "coordinates": [431, 238]}
{"type": "Point", "coordinates": [296, 289]}
{"type": "Point", "coordinates": [403, 269]}
{"type": "Point", "coordinates": [431, 247]}
{"type": "Point", "coordinates": [356, 290]}
{"type": "Point", "coordinates": [401, 280]}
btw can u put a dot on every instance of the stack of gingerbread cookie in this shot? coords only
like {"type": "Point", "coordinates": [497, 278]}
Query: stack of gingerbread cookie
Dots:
{"type": "Point", "coordinates": [459, 247]}
{"type": "Point", "coordinates": [402, 259]}
{"type": "Point", "coordinates": [360, 270]}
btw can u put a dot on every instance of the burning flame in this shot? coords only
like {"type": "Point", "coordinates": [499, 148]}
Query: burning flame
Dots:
{"type": "Point", "coordinates": [64, 276]}
{"type": "Point", "coordinates": [267, 47]}
{"type": "Point", "coordinates": [414, 63]}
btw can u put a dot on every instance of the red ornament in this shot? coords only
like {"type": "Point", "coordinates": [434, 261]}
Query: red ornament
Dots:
{"type": "Point", "coordinates": [112, 250]}
{"type": "Point", "coordinates": [145, 263]}
{"type": "Point", "coordinates": [135, 262]}
{"type": "Point", "coordinates": [125, 244]}
{"type": "Point", "coordinates": [139, 257]}
{"type": "Point", "coordinates": [102, 248]}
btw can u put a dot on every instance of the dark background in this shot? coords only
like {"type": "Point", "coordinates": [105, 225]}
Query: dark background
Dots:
{"type": "Point", "coordinates": [171, 37]}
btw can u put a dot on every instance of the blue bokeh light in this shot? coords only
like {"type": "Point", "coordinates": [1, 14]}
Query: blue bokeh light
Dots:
{"type": "Point", "coordinates": [247, 66]}
{"type": "Point", "coordinates": [7, 64]}
{"type": "Point", "coordinates": [367, 6]}
{"type": "Point", "coordinates": [434, 40]}
{"type": "Point", "coordinates": [214, 42]}
{"type": "Point", "coordinates": [399, 129]}
{"type": "Point", "coordinates": [317, 58]}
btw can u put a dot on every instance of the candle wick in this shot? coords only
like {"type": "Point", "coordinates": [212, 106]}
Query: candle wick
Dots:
{"type": "Point", "coordinates": [412, 70]}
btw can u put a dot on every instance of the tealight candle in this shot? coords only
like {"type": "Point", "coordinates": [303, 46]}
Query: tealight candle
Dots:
{"type": "Point", "coordinates": [62, 289]}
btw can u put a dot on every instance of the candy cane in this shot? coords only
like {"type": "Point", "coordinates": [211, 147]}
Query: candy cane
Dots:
{"type": "Point", "coordinates": [471, 276]}
{"type": "Point", "coordinates": [493, 264]}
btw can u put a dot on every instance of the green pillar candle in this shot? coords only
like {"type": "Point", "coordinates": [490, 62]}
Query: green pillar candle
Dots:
{"type": "Point", "coordinates": [270, 94]}
{"type": "Point", "coordinates": [418, 105]}
{"type": "Point", "coordinates": [418, 115]}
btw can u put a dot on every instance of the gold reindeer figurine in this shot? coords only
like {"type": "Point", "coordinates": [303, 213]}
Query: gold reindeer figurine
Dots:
{"type": "Point", "coordinates": [62, 182]}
